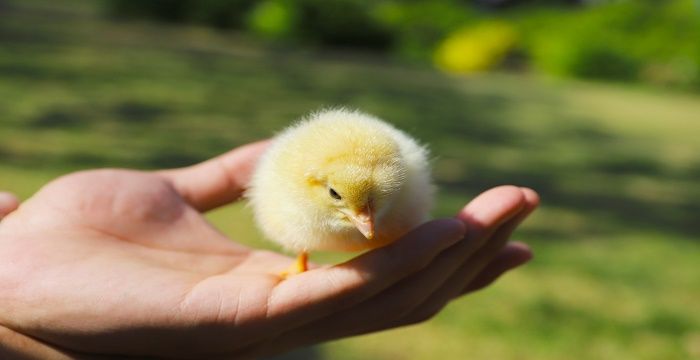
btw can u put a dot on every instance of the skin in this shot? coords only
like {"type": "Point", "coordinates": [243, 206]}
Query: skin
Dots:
{"type": "Point", "coordinates": [120, 263]}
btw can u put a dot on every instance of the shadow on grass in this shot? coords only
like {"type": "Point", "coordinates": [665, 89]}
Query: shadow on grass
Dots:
{"type": "Point", "coordinates": [310, 353]}
{"type": "Point", "coordinates": [610, 206]}
{"type": "Point", "coordinates": [138, 112]}
{"type": "Point", "coordinates": [59, 118]}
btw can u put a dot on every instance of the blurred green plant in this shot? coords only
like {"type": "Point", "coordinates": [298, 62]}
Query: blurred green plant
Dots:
{"type": "Point", "coordinates": [340, 23]}
{"type": "Point", "coordinates": [648, 40]}
{"type": "Point", "coordinates": [163, 10]}
{"type": "Point", "coordinates": [272, 19]}
{"type": "Point", "coordinates": [217, 13]}
{"type": "Point", "coordinates": [415, 26]}
{"type": "Point", "coordinates": [345, 23]}
{"type": "Point", "coordinates": [220, 13]}
{"type": "Point", "coordinates": [645, 40]}
{"type": "Point", "coordinates": [477, 48]}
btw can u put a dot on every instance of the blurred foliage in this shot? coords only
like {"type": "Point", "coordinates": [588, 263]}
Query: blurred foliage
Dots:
{"type": "Point", "coordinates": [653, 41]}
{"type": "Point", "coordinates": [272, 19]}
{"type": "Point", "coordinates": [218, 13]}
{"type": "Point", "coordinates": [513, 3]}
{"type": "Point", "coordinates": [646, 40]}
{"type": "Point", "coordinates": [414, 23]}
{"type": "Point", "coordinates": [477, 48]}
{"type": "Point", "coordinates": [345, 23]}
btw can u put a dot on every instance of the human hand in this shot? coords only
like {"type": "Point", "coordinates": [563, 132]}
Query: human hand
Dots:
{"type": "Point", "coordinates": [122, 263]}
{"type": "Point", "coordinates": [8, 203]}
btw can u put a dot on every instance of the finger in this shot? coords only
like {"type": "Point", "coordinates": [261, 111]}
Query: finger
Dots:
{"type": "Point", "coordinates": [477, 214]}
{"type": "Point", "coordinates": [217, 181]}
{"type": "Point", "coordinates": [491, 234]}
{"type": "Point", "coordinates": [318, 293]}
{"type": "Point", "coordinates": [402, 298]}
{"type": "Point", "coordinates": [14, 345]}
{"type": "Point", "coordinates": [510, 257]}
{"type": "Point", "coordinates": [466, 274]}
{"type": "Point", "coordinates": [8, 203]}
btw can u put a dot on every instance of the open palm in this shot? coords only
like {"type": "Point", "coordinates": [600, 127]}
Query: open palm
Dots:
{"type": "Point", "coordinates": [122, 263]}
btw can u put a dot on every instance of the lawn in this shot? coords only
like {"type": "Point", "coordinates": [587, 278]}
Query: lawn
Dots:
{"type": "Point", "coordinates": [616, 272]}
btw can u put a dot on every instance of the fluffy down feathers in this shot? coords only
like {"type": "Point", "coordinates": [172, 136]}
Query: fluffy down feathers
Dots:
{"type": "Point", "coordinates": [341, 180]}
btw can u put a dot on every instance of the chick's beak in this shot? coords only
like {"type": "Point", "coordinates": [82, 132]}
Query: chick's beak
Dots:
{"type": "Point", "coordinates": [364, 221]}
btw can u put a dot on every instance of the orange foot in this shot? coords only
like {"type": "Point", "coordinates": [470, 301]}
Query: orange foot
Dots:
{"type": "Point", "coordinates": [298, 267]}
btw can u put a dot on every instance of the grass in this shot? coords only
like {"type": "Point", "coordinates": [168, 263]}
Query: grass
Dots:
{"type": "Point", "coordinates": [617, 253]}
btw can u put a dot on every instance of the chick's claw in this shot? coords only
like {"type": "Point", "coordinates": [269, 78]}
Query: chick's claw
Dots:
{"type": "Point", "coordinates": [299, 266]}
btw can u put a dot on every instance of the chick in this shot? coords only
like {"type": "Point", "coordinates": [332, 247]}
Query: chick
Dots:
{"type": "Point", "coordinates": [340, 180]}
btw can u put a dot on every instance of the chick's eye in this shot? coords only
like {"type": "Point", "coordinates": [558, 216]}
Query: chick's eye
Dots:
{"type": "Point", "coordinates": [334, 194]}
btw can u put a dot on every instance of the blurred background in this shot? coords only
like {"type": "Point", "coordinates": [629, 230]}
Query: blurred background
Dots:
{"type": "Point", "coordinates": [595, 104]}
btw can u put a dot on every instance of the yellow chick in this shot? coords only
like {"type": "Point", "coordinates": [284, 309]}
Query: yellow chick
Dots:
{"type": "Point", "coordinates": [340, 180]}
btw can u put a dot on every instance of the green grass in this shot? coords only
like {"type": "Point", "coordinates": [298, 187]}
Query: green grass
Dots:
{"type": "Point", "coordinates": [616, 269]}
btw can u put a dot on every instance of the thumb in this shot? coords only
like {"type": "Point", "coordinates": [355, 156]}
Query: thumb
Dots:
{"type": "Point", "coordinates": [8, 203]}
{"type": "Point", "coordinates": [217, 181]}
